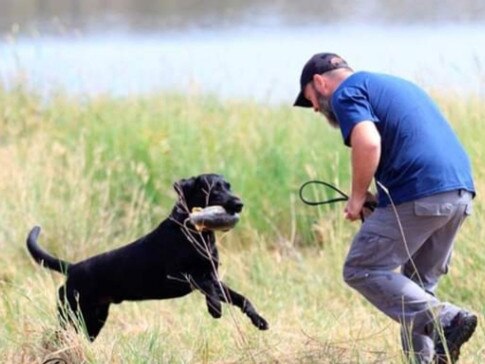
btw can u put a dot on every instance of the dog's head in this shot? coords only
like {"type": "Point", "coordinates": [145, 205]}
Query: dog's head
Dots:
{"type": "Point", "coordinates": [207, 190]}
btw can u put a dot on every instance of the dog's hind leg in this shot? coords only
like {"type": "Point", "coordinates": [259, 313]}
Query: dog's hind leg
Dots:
{"type": "Point", "coordinates": [94, 318]}
{"type": "Point", "coordinates": [81, 315]}
{"type": "Point", "coordinates": [67, 306]}
{"type": "Point", "coordinates": [229, 296]}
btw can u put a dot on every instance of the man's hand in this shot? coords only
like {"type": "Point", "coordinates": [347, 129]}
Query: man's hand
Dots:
{"type": "Point", "coordinates": [353, 208]}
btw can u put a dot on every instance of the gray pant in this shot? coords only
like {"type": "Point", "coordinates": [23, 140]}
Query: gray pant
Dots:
{"type": "Point", "coordinates": [421, 247]}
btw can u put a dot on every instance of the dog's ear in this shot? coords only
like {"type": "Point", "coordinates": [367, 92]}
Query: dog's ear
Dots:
{"type": "Point", "coordinates": [183, 185]}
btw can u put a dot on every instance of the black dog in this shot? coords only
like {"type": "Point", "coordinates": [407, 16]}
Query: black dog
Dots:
{"type": "Point", "coordinates": [171, 261]}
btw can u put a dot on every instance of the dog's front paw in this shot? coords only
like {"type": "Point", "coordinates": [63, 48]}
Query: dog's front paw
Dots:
{"type": "Point", "coordinates": [214, 308]}
{"type": "Point", "coordinates": [215, 313]}
{"type": "Point", "coordinates": [259, 322]}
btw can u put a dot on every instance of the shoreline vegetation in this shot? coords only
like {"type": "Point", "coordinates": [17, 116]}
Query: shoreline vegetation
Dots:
{"type": "Point", "coordinates": [97, 173]}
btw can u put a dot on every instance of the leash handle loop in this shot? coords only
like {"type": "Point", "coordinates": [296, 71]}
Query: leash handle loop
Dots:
{"type": "Point", "coordinates": [315, 203]}
{"type": "Point", "coordinates": [368, 204]}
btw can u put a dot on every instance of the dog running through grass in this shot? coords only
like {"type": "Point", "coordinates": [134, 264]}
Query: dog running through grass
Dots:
{"type": "Point", "coordinates": [171, 261]}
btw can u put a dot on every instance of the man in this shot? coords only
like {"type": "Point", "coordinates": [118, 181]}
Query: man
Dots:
{"type": "Point", "coordinates": [425, 189]}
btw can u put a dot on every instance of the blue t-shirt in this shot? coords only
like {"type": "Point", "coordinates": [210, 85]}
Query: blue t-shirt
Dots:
{"type": "Point", "coordinates": [420, 153]}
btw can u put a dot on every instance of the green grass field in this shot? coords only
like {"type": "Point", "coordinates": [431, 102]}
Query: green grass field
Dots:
{"type": "Point", "coordinates": [97, 173]}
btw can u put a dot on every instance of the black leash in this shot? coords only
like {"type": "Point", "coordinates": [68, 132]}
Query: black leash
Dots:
{"type": "Point", "coordinates": [315, 203]}
{"type": "Point", "coordinates": [344, 197]}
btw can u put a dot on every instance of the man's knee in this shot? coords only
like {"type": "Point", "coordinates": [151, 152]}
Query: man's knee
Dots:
{"type": "Point", "coordinates": [353, 275]}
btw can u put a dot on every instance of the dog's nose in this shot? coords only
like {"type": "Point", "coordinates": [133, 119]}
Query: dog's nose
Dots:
{"type": "Point", "coordinates": [237, 205]}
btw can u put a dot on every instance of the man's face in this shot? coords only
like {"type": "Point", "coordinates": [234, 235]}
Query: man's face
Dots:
{"type": "Point", "coordinates": [325, 108]}
{"type": "Point", "coordinates": [315, 93]}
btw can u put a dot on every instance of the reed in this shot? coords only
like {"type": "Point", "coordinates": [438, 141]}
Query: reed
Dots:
{"type": "Point", "coordinates": [97, 173]}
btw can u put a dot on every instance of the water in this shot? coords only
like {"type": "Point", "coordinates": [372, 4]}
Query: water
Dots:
{"type": "Point", "coordinates": [244, 50]}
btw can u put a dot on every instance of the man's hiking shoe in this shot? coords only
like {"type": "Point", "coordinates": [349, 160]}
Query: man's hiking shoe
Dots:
{"type": "Point", "coordinates": [456, 334]}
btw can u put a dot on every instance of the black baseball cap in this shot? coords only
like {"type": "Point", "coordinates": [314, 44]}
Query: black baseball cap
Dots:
{"type": "Point", "coordinates": [318, 64]}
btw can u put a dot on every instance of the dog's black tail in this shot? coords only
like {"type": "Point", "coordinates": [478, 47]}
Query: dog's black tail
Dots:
{"type": "Point", "coordinates": [41, 256]}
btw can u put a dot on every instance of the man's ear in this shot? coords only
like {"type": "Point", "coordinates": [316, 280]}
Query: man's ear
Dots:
{"type": "Point", "coordinates": [319, 82]}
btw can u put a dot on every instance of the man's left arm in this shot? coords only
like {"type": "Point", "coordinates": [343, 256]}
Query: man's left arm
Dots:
{"type": "Point", "coordinates": [365, 142]}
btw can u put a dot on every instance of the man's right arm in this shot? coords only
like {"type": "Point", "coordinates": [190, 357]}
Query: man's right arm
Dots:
{"type": "Point", "coordinates": [365, 142]}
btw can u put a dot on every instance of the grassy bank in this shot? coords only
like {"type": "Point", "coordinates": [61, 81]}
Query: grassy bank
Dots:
{"type": "Point", "coordinates": [98, 173]}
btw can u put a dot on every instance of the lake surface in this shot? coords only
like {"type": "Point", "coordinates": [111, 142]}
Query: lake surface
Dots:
{"type": "Point", "coordinates": [235, 49]}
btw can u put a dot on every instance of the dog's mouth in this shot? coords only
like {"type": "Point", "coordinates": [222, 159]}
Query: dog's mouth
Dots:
{"type": "Point", "coordinates": [233, 211]}
{"type": "Point", "coordinates": [230, 207]}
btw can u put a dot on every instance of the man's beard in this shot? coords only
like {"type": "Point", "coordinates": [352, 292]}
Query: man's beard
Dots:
{"type": "Point", "coordinates": [326, 110]}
